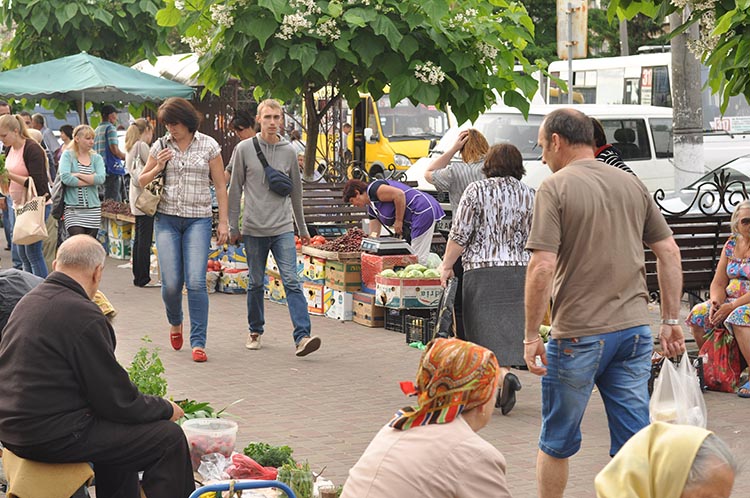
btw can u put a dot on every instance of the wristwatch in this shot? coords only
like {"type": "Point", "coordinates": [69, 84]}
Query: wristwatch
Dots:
{"type": "Point", "coordinates": [670, 321]}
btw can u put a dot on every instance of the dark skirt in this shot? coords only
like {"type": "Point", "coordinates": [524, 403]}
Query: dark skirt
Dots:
{"type": "Point", "coordinates": [493, 308]}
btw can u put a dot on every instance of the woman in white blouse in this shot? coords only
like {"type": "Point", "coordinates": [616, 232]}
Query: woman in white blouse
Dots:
{"type": "Point", "coordinates": [489, 232]}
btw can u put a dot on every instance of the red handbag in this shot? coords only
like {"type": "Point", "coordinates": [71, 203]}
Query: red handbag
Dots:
{"type": "Point", "coordinates": [721, 361]}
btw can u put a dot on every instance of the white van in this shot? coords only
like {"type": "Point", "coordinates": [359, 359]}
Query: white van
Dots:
{"type": "Point", "coordinates": [643, 134]}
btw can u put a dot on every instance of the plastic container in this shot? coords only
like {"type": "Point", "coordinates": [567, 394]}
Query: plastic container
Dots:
{"type": "Point", "coordinates": [209, 435]}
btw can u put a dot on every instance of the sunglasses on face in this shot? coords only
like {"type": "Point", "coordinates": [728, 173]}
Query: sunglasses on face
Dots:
{"type": "Point", "coordinates": [745, 221]}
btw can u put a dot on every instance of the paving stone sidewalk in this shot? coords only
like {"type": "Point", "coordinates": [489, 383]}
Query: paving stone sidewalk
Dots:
{"type": "Point", "coordinates": [329, 405]}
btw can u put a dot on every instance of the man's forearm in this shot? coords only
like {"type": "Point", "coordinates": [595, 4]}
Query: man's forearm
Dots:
{"type": "Point", "coordinates": [669, 271]}
{"type": "Point", "coordinates": [537, 293]}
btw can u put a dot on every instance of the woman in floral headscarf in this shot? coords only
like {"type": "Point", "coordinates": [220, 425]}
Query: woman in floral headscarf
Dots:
{"type": "Point", "coordinates": [432, 449]}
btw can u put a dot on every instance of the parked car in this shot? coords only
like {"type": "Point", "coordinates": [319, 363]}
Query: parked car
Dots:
{"type": "Point", "coordinates": [648, 150]}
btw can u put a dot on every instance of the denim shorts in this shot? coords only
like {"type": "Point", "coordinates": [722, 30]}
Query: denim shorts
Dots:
{"type": "Point", "coordinates": [619, 363]}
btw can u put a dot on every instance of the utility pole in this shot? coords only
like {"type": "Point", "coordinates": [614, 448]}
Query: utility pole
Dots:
{"type": "Point", "coordinates": [572, 27]}
{"type": "Point", "coordinates": [687, 107]}
{"type": "Point", "coordinates": [624, 48]}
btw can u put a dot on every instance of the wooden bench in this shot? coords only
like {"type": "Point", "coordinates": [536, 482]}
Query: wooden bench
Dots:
{"type": "Point", "coordinates": [701, 240]}
{"type": "Point", "coordinates": [327, 214]}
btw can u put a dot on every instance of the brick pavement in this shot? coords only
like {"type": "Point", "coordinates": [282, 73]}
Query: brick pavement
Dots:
{"type": "Point", "coordinates": [329, 405]}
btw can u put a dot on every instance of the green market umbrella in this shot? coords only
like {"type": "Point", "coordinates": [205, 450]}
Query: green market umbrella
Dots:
{"type": "Point", "coordinates": [83, 77]}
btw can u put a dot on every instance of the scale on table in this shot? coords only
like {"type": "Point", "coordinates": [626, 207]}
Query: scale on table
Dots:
{"type": "Point", "coordinates": [386, 245]}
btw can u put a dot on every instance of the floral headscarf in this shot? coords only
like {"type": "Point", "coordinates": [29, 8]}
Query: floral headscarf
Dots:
{"type": "Point", "coordinates": [453, 376]}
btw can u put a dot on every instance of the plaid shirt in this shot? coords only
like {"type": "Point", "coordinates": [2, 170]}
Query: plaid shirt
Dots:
{"type": "Point", "coordinates": [187, 182]}
{"type": "Point", "coordinates": [104, 136]}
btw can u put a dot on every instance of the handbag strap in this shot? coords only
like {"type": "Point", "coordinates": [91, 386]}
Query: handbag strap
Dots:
{"type": "Point", "coordinates": [30, 190]}
{"type": "Point", "coordinates": [261, 156]}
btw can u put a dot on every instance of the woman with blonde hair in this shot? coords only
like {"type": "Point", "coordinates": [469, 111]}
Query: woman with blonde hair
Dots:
{"type": "Point", "coordinates": [82, 171]}
{"type": "Point", "coordinates": [448, 175]}
{"type": "Point", "coordinates": [456, 389]}
{"type": "Point", "coordinates": [25, 161]}
{"type": "Point", "coordinates": [137, 146]}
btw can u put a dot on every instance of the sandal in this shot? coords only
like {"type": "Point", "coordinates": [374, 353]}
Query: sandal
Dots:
{"type": "Point", "coordinates": [746, 388]}
{"type": "Point", "coordinates": [199, 355]}
{"type": "Point", "coordinates": [175, 338]}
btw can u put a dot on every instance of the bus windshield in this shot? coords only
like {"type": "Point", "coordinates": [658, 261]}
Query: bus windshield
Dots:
{"type": "Point", "coordinates": [406, 121]}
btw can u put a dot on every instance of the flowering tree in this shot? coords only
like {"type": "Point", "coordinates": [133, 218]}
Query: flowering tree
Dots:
{"type": "Point", "coordinates": [435, 52]}
{"type": "Point", "coordinates": [724, 41]}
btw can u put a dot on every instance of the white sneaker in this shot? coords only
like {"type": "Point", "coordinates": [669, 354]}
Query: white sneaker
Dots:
{"type": "Point", "coordinates": [307, 345]}
{"type": "Point", "coordinates": [253, 341]}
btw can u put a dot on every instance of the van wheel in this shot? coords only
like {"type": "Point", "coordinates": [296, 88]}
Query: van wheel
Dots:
{"type": "Point", "coordinates": [377, 173]}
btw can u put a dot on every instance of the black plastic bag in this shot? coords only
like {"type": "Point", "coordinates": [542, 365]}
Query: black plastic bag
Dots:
{"type": "Point", "coordinates": [444, 323]}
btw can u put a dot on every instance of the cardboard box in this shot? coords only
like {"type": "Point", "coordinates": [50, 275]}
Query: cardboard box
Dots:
{"type": "Point", "coordinates": [314, 296]}
{"type": "Point", "coordinates": [276, 292]}
{"type": "Point", "coordinates": [235, 282]}
{"type": "Point", "coordinates": [300, 266]}
{"type": "Point", "coordinates": [266, 287]}
{"type": "Point", "coordinates": [365, 312]}
{"type": "Point", "coordinates": [271, 263]}
{"type": "Point", "coordinates": [120, 248]}
{"type": "Point", "coordinates": [337, 304]}
{"type": "Point", "coordinates": [344, 275]}
{"type": "Point", "coordinates": [372, 264]}
{"type": "Point", "coordinates": [119, 229]}
{"type": "Point", "coordinates": [315, 269]}
{"type": "Point", "coordinates": [403, 293]}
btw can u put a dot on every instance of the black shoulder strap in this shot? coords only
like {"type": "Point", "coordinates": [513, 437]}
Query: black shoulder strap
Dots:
{"type": "Point", "coordinates": [261, 157]}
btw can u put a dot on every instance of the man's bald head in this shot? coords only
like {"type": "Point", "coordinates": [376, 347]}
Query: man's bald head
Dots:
{"type": "Point", "coordinates": [80, 254]}
{"type": "Point", "coordinates": [572, 125]}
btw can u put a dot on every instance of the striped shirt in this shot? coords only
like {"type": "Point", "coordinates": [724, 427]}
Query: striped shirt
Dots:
{"type": "Point", "coordinates": [454, 179]}
{"type": "Point", "coordinates": [187, 183]}
{"type": "Point", "coordinates": [104, 136]}
{"type": "Point", "coordinates": [82, 215]}
{"type": "Point", "coordinates": [492, 223]}
{"type": "Point", "coordinates": [609, 155]}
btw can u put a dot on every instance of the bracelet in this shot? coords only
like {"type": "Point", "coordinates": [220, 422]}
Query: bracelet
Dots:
{"type": "Point", "coordinates": [537, 339]}
{"type": "Point", "coordinates": [670, 321]}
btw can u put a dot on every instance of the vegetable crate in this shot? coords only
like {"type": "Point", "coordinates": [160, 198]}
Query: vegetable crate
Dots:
{"type": "Point", "coordinates": [395, 319]}
{"type": "Point", "coordinates": [404, 293]}
{"type": "Point", "coordinates": [372, 265]}
{"type": "Point", "coordinates": [419, 328]}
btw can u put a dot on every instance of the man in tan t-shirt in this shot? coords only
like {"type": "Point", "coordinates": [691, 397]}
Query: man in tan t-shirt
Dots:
{"type": "Point", "coordinates": [590, 222]}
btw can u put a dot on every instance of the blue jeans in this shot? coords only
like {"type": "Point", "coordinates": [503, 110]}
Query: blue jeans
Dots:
{"type": "Point", "coordinates": [31, 256]}
{"type": "Point", "coordinates": [182, 244]}
{"type": "Point", "coordinates": [619, 363]}
{"type": "Point", "coordinates": [285, 252]}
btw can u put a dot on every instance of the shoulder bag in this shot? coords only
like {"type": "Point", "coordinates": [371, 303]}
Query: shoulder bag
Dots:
{"type": "Point", "coordinates": [278, 182]}
{"type": "Point", "coordinates": [58, 198]}
{"type": "Point", "coordinates": [30, 226]}
{"type": "Point", "coordinates": [148, 199]}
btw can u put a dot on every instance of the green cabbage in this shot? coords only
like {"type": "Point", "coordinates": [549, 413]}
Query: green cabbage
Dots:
{"type": "Point", "coordinates": [431, 273]}
{"type": "Point", "coordinates": [388, 273]}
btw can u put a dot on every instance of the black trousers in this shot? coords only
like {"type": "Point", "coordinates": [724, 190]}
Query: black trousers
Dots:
{"type": "Point", "coordinates": [144, 234]}
{"type": "Point", "coordinates": [458, 304]}
{"type": "Point", "coordinates": [119, 452]}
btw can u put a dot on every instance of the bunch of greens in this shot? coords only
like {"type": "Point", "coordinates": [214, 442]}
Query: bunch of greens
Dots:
{"type": "Point", "coordinates": [2, 164]}
{"type": "Point", "coordinates": [269, 456]}
{"type": "Point", "coordinates": [299, 477]}
{"type": "Point", "coordinates": [146, 371]}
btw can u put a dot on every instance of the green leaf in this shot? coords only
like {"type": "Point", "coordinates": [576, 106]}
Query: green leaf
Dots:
{"type": "Point", "coordinates": [324, 63]}
{"type": "Point", "coordinates": [366, 15]}
{"type": "Point", "coordinates": [743, 4]}
{"type": "Point", "coordinates": [367, 46]}
{"type": "Point", "coordinates": [515, 99]}
{"type": "Point", "coordinates": [403, 86]}
{"type": "Point", "coordinates": [724, 23]}
{"type": "Point", "coordinates": [335, 9]}
{"type": "Point", "coordinates": [274, 55]}
{"type": "Point", "coordinates": [66, 13]}
{"type": "Point", "coordinates": [278, 7]}
{"type": "Point", "coordinates": [408, 46]}
{"type": "Point", "coordinates": [39, 19]}
{"type": "Point", "coordinates": [384, 26]}
{"type": "Point", "coordinates": [426, 94]}
{"type": "Point", "coordinates": [391, 64]}
{"type": "Point", "coordinates": [435, 9]}
{"type": "Point", "coordinates": [262, 28]}
{"type": "Point", "coordinates": [84, 43]}
{"type": "Point", "coordinates": [168, 16]}
{"type": "Point", "coordinates": [303, 53]}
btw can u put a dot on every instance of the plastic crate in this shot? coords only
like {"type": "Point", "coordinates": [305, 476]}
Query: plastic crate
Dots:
{"type": "Point", "coordinates": [418, 328]}
{"type": "Point", "coordinates": [395, 319]}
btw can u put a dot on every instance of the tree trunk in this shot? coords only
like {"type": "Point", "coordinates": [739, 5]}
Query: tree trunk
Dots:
{"type": "Point", "coordinates": [687, 107]}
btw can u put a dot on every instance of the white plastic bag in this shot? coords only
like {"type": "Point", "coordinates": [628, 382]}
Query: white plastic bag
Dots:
{"type": "Point", "coordinates": [677, 396]}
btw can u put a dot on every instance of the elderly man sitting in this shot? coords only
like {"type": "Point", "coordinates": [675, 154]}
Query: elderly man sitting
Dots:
{"type": "Point", "coordinates": [66, 399]}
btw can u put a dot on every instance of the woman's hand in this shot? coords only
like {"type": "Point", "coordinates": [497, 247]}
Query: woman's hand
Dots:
{"type": "Point", "coordinates": [398, 228]}
{"type": "Point", "coordinates": [719, 313]}
{"type": "Point", "coordinates": [463, 137]}
{"type": "Point", "coordinates": [222, 232]}
{"type": "Point", "coordinates": [445, 274]}
{"type": "Point", "coordinates": [162, 158]}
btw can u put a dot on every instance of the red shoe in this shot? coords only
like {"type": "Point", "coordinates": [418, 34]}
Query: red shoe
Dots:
{"type": "Point", "coordinates": [199, 355]}
{"type": "Point", "coordinates": [175, 338]}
